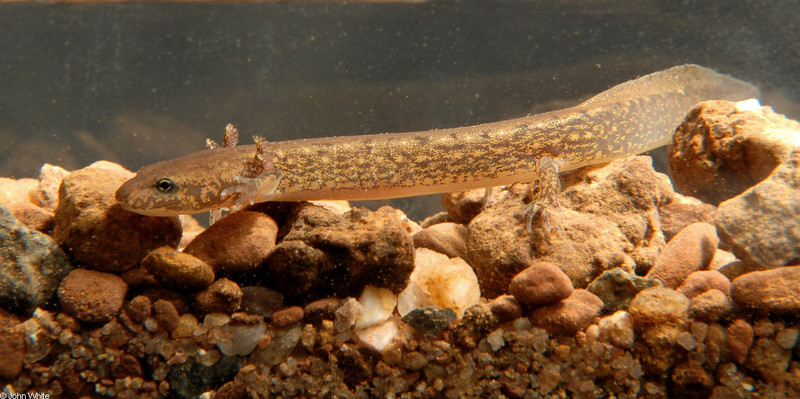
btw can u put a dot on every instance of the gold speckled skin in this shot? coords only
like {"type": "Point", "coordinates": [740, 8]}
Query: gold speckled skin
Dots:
{"type": "Point", "coordinates": [627, 119]}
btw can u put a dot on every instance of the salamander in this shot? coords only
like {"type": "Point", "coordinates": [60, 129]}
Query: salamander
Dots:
{"type": "Point", "coordinates": [627, 119]}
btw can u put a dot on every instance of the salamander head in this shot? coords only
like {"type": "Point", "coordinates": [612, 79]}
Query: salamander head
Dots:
{"type": "Point", "coordinates": [180, 186]}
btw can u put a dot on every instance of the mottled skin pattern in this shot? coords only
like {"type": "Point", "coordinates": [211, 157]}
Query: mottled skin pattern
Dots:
{"type": "Point", "coordinates": [627, 119]}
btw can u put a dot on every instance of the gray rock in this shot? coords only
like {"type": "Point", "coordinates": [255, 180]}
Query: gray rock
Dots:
{"type": "Point", "coordinates": [761, 225]}
{"type": "Point", "coordinates": [191, 379]}
{"type": "Point", "coordinates": [31, 266]}
{"type": "Point", "coordinates": [430, 321]}
{"type": "Point", "coordinates": [617, 288]}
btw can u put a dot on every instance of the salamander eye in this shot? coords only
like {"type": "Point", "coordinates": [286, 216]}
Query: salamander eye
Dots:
{"type": "Point", "coordinates": [165, 185]}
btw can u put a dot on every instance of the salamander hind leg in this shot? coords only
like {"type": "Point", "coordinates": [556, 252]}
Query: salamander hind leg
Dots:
{"type": "Point", "coordinates": [545, 195]}
{"type": "Point", "coordinates": [266, 177]}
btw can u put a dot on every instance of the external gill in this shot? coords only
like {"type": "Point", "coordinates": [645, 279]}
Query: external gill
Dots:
{"type": "Point", "coordinates": [255, 189]}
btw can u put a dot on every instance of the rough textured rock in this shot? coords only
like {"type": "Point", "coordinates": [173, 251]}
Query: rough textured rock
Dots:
{"type": "Point", "coordinates": [12, 347]}
{"type": "Point", "coordinates": [237, 244]}
{"type": "Point", "coordinates": [608, 219]}
{"type": "Point", "coordinates": [718, 153]}
{"type": "Point", "coordinates": [702, 281]}
{"type": "Point", "coordinates": [542, 283]}
{"type": "Point", "coordinates": [446, 238]}
{"type": "Point", "coordinates": [505, 308]}
{"type": "Point", "coordinates": [617, 329]}
{"type": "Point", "coordinates": [774, 291]}
{"type": "Point", "coordinates": [710, 306]}
{"type": "Point", "coordinates": [760, 225]}
{"type": "Point", "coordinates": [261, 300]}
{"type": "Point", "coordinates": [464, 205]}
{"type": "Point", "coordinates": [740, 337]}
{"type": "Point", "coordinates": [50, 178]}
{"type": "Point", "coordinates": [430, 321]}
{"type": "Point", "coordinates": [568, 316]}
{"type": "Point", "coordinates": [691, 250]}
{"type": "Point", "coordinates": [92, 296]}
{"type": "Point", "coordinates": [323, 254]}
{"type": "Point", "coordinates": [167, 316]}
{"type": "Point", "coordinates": [177, 270]}
{"type": "Point", "coordinates": [17, 190]}
{"type": "Point", "coordinates": [224, 296]}
{"type": "Point", "coordinates": [96, 231]}
{"type": "Point", "coordinates": [617, 288]}
{"type": "Point", "coordinates": [682, 211]}
{"type": "Point", "coordinates": [288, 316]}
{"type": "Point", "coordinates": [31, 266]}
{"type": "Point", "coordinates": [32, 216]}
{"type": "Point", "coordinates": [659, 306]}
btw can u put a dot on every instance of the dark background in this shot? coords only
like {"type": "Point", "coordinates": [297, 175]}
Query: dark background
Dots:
{"type": "Point", "coordinates": [139, 83]}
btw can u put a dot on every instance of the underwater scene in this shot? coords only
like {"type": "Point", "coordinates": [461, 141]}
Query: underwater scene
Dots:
{"type": "Point", "coordinates": [400, 199]}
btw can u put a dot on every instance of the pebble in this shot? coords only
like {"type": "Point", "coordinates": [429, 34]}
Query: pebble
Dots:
{"type": "Point", "coordinates": [31, 266]}
{"type": "Point", "coordinates": [569, 315]}
{"type": "Point", "coordinates": [740, 337]}
{"type": "Point", "coordinates": [505, 308]}
{"type": "Point", "coordinates": [92, 296]}
{"type": "Point", "coordinates": [430, 321]}
{"type": "Point", "coordinates": [773, 291]}
{"type": "Point", "coordinates": [237, 244]}
{"type": "Point", "coordinates": [542, 283]}
{"type": "Point", "coordinates": [617, 329]}
{"type": "Point", "coordinates": [177, 270]}
{"type": "Point", "coordinates": [329, 254]}
{"type": "Point", "coordinates": [287, 316]}
{"type": "Point", "coordinates": [691, 381]}
{"type": "Point", "coordinates": [96, 231]}
{"type": "Point", "coordinates": [681, 211]}
{"type": "Point", "coordinates": [12, 351]}
{"type": "Point", "coordinates": [240, 339]}
{"type": "Point", "coordinates": [139, 308]}
{"type": "Point", "coordinates": [691, 250]}
{"type": "Point", "coordinates": [701, 281]}
{"type": "Point", "coordinates": [166, 315]}
{"type": "Point", "coordinates": [223, 296]}
{"type": "Point", "coordinates": [377, 305]}
{"type": "Point", "coordinates": [617, 288]}
{"type": "Point", "coordinates": [347, 314]}
{"type": "Point", "coordinates": [659, 306]}
{"type": "Point", "coordinates": [17, 190]}
{"type": "Point", "coordinates": [710, 306]}
{"type": "Point", "coordinates": [261, 300]}
{"type": "Point", "coordinates": [441, 282]}
{"type": "Point", "coordinates": [385, 336]}
{"type": "Point", "coordinates": [322, 309]}
{"type": "Point", "coordinates": [464, 205]}
{"type": "Point", "coordinates": [32, 216]}
{"type": "Point", "coordinates": [760, 225]}
{"type": "Point", "coordinates": [446, 238]}
{"type": "Point", "coordinates": [719, 151]}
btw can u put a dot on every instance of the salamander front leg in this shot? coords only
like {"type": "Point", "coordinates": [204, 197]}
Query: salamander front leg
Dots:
{"type": "Point", "coordinates": [545, 193]}
{"type": "Point", "coordinates": [267, 177]}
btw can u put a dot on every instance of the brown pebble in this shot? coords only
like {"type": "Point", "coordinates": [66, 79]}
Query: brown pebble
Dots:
{"type": "Point", "coordinates": [568, 316]}
{"type": "Point", "coordinates": [710, 306]}
{"type": "Point", "coordinates": [446, 238]}
{"type": "Point", "coordinates": [702, 281]}
{"type": "Point", "coordinates": [12, 351]}
{"type": "Point", "coordinates": [775, 290]}
{"type": "Point", "coordinates": [237, 244]}
{"type": "Point", "coordinates": [139, 278]}
{"type": "Point", "coordinates": [740, 338]}
{"type": "Point", "coordinates": [658, 306]}
{"type": "Point", "coordinates": [261, 300]}
{"type": "Point", "coordinates": [542, 283]}
{"type": "Point", "coordinates": [96, 231]}
{"type": "Point", "coordinates": [691, 250]}
{"type": "Point", "coordinates": [166, 315]}
{"type": "Point", "coordinates": [464, 205]}
{"type": "Point", "coordinates": [505, 308]}
{"type": "Point", "coordinates": [92, 296]}
{"type": "Point", "coordinates": [287, 316]}
{"type": "Point", "coordinates": [139, 308]}
{"type": "Point", "coordinates": [224, 296]}
{"type": "Point", "coordinates": [126, 366]}
{"type": "Point", "coordinates": [176, 270]}
{"type": "Point", "coordinates": [32, 216]}
{"type": "Point", "coordinates": [322, 309]}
